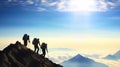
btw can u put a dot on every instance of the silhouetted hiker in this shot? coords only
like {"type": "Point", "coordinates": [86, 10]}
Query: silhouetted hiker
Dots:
{"type": "Point", "coordinates": [44, 48]}
{"type": "Point", "coordinates": [26, 39]}
{"type": "Point", "coordinates": [36, 42]}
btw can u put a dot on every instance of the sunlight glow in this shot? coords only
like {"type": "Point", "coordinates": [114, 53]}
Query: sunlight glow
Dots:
{"type": "Point", "coordinates": [82, 5]}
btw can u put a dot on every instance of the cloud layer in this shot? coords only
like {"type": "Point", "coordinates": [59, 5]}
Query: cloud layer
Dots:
{"type": "Point", "coordinates": [65, 5]}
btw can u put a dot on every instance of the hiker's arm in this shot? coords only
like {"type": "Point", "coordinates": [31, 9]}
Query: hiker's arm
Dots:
{"type": "Point", "coordinates": [39, 43]}
{"type": "Point", "coordinates": [29, 39]}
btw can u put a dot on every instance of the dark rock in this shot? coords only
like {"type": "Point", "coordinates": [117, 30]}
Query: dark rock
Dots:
{"type": "Point", "coordinates": [17, 55]}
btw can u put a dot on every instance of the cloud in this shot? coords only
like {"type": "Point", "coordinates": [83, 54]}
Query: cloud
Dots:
{"type": "Point", "coordinates": [30, 2]}
{"type": "Point", "coordinates": [59, 55]}
{"type": "Point", "coordinates": [59, 59]}
{"type": "Point", "coordinates": [110, 63]}
{"type": "Point", "coordinates": [93, 56]}
{"type": "Point", "coordinates": [81, 5]}
{"type": "Point", "coordinates": [41, 9]}
{"type": "Point", "coordinates": [68, 5]}
{"type": "Point", "coordinates": [92, 5]}
{"type": "Point", "coordinates": [9, 0]}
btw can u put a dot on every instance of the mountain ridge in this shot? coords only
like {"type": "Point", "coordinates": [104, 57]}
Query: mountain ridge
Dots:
{"type": "Point", "coordinates": [17, 55]}
{"type": "Point", "coordinates": [81, 61]}
{"type": "Point", "coordinates": [84, 59]}
{"type": "Point", "coordinates": [115, 56]}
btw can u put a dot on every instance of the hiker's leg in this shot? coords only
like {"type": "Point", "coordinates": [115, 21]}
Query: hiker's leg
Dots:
{"type": "Point", "coordinates": [37, 49]}
{"type": "Point", "coordinates": [25, 42]}
{"type": "Point", "coordinates": [44, 52]}
{"type": "Point", "coordinates": [34, 48]}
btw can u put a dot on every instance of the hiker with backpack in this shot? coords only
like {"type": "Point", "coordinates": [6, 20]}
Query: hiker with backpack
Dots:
{"type": "Point", "coordinates": [44, 49]}
{"type": "Point", "coordinates": [36, 42]}
{"type": "Point", "coordinates": [26, 39]}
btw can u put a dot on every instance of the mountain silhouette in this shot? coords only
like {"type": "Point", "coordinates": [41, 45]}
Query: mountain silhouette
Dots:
{"type": "Point", "coordinates": [115, 56]}
{"type": "Point", "coordinates": [17, 55]}
{"type": "Point", "coordinates": [80, 61]}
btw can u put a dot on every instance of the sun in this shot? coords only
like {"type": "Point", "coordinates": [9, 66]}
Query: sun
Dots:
{"type": "Point", "coordinates": [81, 5]}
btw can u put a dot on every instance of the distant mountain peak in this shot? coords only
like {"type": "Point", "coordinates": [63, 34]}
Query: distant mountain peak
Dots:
{"type": "Point", "coordinates": [81, 61]}
{"type": "Point", "coordinates": [117, 53]}
{"type": "Point", "coordinates": [115, 56]}
{"type": "Point", "coordinates": [80, 58]}
{"type": "Point", "coordinates": [78, 55]}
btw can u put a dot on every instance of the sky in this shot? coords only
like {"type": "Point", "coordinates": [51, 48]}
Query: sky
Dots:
{"type": "Point", "coordinates": [86, 26]}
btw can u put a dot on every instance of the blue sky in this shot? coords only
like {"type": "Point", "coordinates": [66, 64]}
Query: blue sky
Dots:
{"type": "Point", "coordinates": [62, 15]}
{"type": "Point", "coordinates": [61, 20]}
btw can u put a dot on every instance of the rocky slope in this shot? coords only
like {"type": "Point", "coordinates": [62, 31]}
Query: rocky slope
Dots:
{"type": "Point", "coordinates": [17, 55]}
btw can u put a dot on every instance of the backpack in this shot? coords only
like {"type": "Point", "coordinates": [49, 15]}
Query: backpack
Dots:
{"type": "Point", "coordinates": [43, 46]}
{"type": "Point", "coordinates": [34, 41]}
{"type": "Point", "coordinates": [25, 37]}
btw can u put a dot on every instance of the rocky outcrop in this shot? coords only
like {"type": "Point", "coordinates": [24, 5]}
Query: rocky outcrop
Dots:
{"type": "Point", "coordinates": [17, 55]}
